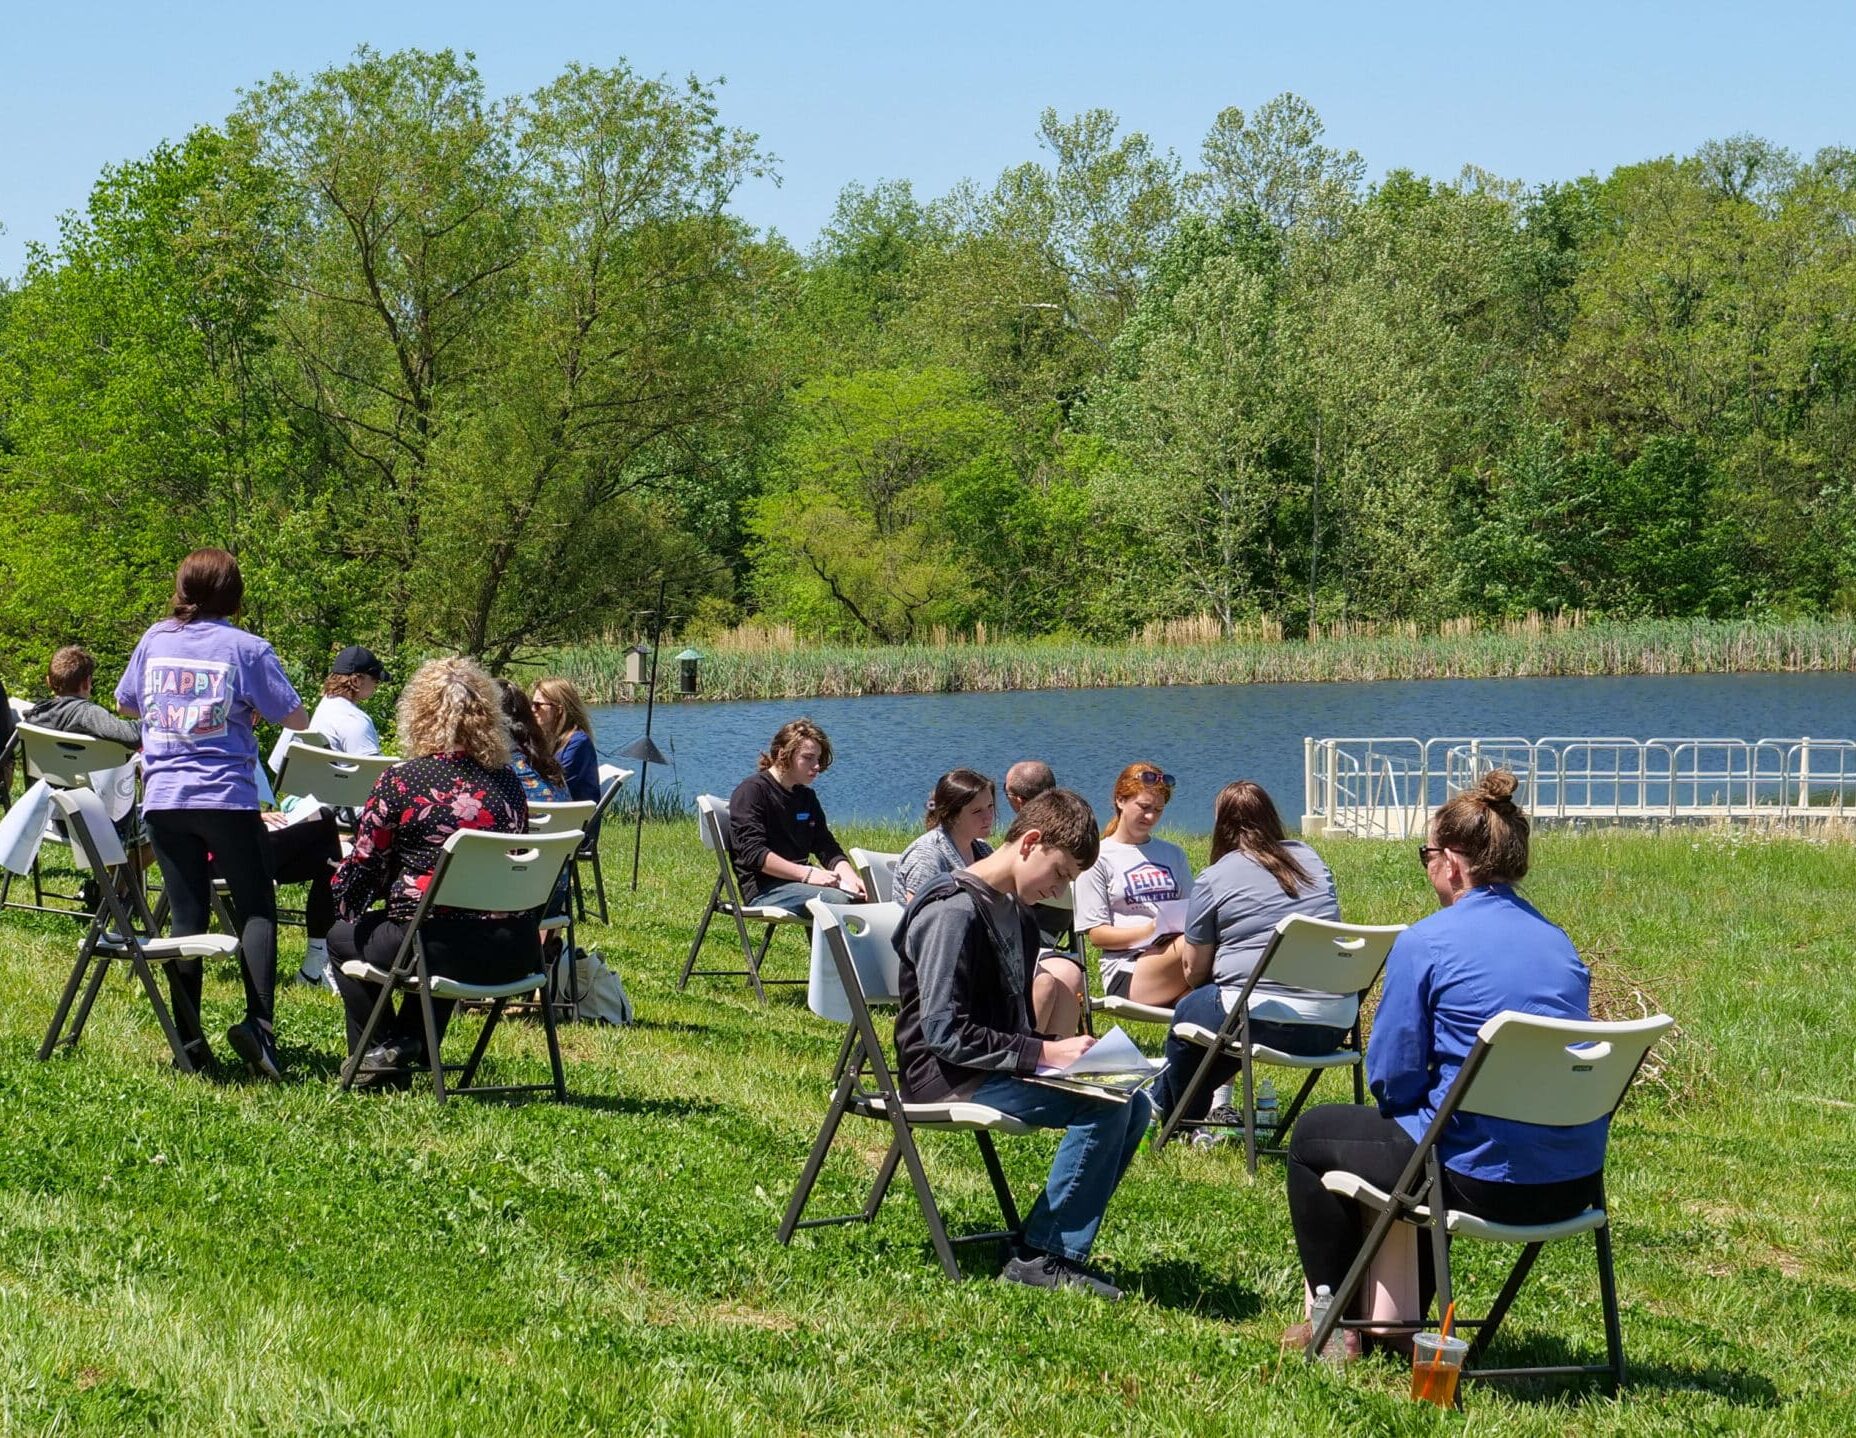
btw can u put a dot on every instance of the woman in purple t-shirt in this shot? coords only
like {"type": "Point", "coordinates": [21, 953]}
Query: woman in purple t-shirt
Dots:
{"type": "Point", "coordinates": [196, 681]}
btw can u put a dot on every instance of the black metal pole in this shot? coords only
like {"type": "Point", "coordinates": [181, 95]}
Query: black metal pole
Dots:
{"type": "Point", "coordinates": [650, 699]}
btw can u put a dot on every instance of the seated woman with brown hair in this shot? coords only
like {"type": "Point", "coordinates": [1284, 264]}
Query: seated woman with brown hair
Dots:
{"type": "Point", "coordinates": [779, 827]}
{"type": "Point", "coordinates": [1256, 879]}
{"type": "Point", "coordinates": [455, 776]}
{"type": "Point", "coordinates": [1485, 950]}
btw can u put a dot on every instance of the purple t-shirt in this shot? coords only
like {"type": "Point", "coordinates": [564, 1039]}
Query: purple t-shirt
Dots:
{"type": "Point", "coordinates": [198, 687]}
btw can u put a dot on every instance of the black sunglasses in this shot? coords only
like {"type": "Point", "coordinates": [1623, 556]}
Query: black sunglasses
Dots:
{"type": "Point", "coordinates": [1154, 776]}
{"type": "Point", "coordinates": [1424, 854]}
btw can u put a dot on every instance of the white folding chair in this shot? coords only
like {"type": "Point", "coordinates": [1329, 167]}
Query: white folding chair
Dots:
{"type": "Point", "coordinates": [121, 930]}
{"type": "Point", "coordinates": [864, 970]}
{"type": "Point", "coordinates": [1304, 953]}
{"type": "Point", "coordinates": [338, 780]}
{"type": "Point", "coordinates": [1555, 1072]}
{"type": "Point", "coordinates": [557, 818]}
{"type": "Point", "coordinates": [611, 780]}
{"type": "Point", "coordinates": [878, 871]}
{"type": "Point", "coordinates": [64, 761]}
{"type": "Point", "coordinates": [725, 898]}
{"type": "Point", "coordinates": [484, 871]}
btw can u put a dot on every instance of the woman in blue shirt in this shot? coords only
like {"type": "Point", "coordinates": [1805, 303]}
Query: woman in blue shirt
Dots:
{"type": "Point", "coordinates": [561, 712]}
{"type": "Point", "coordinates": [1487, 949]}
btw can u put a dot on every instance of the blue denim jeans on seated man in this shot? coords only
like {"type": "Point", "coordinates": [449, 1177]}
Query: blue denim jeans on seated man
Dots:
{"type": "Point", "coordinates": [792, 895]}
{"type": "Point", "coordinates": [1204, 1006]}
{"type": "Point", "coordinates": [1101, 1141]}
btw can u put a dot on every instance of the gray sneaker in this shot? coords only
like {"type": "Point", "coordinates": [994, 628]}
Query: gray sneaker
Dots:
{"type": "Point", "coordinates": [1050, 1270]}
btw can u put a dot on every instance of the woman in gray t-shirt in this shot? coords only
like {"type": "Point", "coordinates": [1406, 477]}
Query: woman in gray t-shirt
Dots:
{"type": "Point", "coordinates": [1256, 879]}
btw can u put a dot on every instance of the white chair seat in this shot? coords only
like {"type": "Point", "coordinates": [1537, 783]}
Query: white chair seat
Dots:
{"type": "Point", "coordinates": [763, 913]}
{"type": "Point", "coordinates": [445, 988]}
{"type": "Point", "coordinates": [554, 922]}
{"type": "Point", "coordinates": [188, 946]}
{"type": "Point", "coordinates": [1128, 1009]}
{"type": "Point", "coordinates": [952, 1115]}
{"type": "Point", "coordinates": [1205, 1038]}
{"type": "Point", "coordinates": [1351, 1185]}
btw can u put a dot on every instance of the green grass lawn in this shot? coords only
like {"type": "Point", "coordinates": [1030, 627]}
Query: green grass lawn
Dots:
{"type": "Point", "coordinates": [217, 1256]}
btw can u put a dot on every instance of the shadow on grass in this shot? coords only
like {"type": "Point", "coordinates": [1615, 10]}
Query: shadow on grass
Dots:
{"type": "Point", "coordinates": [1736, 1385]}
{"type": "Point", "coordinates": [1175, 1283]}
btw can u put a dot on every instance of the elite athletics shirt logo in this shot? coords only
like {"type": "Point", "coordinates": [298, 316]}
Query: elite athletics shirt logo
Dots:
{"type": "Point", "coordinates": [1149, 883]}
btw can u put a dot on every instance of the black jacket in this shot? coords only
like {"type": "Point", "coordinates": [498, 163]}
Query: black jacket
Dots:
{"type": "Point", "coordinates": [766, 819]}
{"type": "Point", "coordinates": [964, 1014]}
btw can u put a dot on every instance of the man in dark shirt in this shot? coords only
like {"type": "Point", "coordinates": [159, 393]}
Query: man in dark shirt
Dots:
{"type": "Point", "coordinates": [964, 1029]}
{"type": "Point", "coordinates": [779, 827]}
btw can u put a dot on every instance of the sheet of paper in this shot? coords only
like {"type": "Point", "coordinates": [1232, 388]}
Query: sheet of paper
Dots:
{"type": "Point", "coordinates": [1170, 916]}
{"type": "Point", "coordinates": [1113, 1053]}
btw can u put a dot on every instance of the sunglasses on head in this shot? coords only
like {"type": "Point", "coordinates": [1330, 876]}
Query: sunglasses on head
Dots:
{"type": "Point", "coordinates": [1154, 776]}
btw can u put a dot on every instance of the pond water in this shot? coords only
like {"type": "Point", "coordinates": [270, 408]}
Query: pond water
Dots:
{"type": "Point", "coordinates": [891, 749]}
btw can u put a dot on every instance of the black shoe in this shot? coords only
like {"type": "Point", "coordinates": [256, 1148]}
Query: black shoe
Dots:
{"type": "Point", "coordinates": [255, 1045]}
{"type": "Point", "coordinates": [400, 1053]}
{"type": "Point", "coordinates": [199, 1052]}
{"type": "Point", "coordinates": [1050, 1270]}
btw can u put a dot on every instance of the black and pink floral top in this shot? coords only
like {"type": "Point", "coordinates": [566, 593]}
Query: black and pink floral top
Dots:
{"type": "Point", "coordinates": [401, 832]}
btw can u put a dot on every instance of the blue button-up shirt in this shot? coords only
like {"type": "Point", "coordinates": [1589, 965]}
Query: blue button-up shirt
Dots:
{"type": "Point", "coordinates": [1447, 975]}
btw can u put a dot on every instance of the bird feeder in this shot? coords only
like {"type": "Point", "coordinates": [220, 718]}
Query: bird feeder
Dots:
{"type": "Point", "coordinates": [635, 661]}
{"type": "Point", "coordinates": [686, 671]}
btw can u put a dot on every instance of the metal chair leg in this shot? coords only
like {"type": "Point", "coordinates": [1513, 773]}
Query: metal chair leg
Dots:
{"type": "Point", "coordinates": [702, 930]}
{"type": "Point", "coordinates": [815, 1160]}
{"type": "Point", "coordinates": [433, 1057]}
{"type": "Point", "coordinates": [1608, 1295]}
{"type": "Point", "coordinates": [1001, 1189]}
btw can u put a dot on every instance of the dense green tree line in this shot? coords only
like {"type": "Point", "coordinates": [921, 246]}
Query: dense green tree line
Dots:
{"type": "Point", "coordinates": [449, 371]}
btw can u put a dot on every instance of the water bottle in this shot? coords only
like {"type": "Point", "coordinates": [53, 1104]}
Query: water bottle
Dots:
{"type": "Point", "coordinates": [1265, 1110]}
{"type": "Point", "coordinates": [1333, 1351]}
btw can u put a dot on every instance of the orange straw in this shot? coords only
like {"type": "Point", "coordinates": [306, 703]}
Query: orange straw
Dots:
{"type": "Point", "coordinates": [1449, 1313]}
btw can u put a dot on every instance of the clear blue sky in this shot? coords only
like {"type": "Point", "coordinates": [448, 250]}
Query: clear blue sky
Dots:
{"type": "Point", "coordinates": [933, 93]}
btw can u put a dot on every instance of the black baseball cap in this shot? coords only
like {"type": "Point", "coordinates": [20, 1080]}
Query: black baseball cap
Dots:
{"type": "Point", "coordinates": [356, 660]}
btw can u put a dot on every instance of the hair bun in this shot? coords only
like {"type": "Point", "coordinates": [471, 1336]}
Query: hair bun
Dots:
{"type": "Point", "coordinates": [1497, 787]}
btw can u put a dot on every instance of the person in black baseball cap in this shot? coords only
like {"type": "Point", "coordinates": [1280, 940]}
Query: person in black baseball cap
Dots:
{"type": "Point", "coordinates": [356, 660]}
{"type": "Point", "coordinates": [306, 853]}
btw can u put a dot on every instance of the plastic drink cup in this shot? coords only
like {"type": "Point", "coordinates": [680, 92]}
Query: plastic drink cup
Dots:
{"type": "Point", "coordinates": [1436, 1364]}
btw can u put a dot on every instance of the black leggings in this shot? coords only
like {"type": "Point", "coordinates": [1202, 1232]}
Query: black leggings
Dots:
{"type": "Point", "coordinates": [307, 853]}
{"type": "Point", "coordinates": [470, 950]}
{"type": "Point", "coordinates": [1357, 1138]}
{"type": "Point", "coordinates": [182, 840]}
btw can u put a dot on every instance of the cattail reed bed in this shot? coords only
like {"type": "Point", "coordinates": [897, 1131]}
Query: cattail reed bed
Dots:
{"type": "Point", "coordinates": [776, 665]}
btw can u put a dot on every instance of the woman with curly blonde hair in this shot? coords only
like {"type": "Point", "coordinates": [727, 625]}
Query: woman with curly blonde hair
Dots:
{"type": "Point", "coordinates": [456, 776]}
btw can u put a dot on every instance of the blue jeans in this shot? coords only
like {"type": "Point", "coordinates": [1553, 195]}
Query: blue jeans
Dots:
{"type": "Point", "coordinates": [792, 896]}
{"type": "Point", "coordinates": [1204, 1006]}
{"type": "Point", "coordinates": [1100, 1143]}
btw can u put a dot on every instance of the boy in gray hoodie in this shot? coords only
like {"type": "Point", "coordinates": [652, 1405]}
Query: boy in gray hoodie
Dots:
{"type": "Point", "coordinates": [968, 946]}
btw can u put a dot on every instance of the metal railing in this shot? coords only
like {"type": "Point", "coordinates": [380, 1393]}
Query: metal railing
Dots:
{"type": "Point", "coordinates": [1387, 787]}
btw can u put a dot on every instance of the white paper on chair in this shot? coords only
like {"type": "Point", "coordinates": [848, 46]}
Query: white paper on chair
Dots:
{"type": "Point", "coordinates": [296, 809]}
{"type": "Point", "coordinates": [22, 828]}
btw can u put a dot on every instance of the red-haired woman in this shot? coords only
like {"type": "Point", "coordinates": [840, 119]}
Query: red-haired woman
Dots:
{"type": "Point", "coordinates": [1131, 902]}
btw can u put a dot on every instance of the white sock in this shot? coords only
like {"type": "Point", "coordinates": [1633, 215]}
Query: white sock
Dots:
{"type": "Point", "coordinates": [317, 959]}
{"type": "Point", "coordinates": [1222, 1095]}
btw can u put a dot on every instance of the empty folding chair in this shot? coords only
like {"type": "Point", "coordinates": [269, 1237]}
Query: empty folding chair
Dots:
{"type": "Point", "coordinates": [611, 780]}
{"type": "Point", "coordinates": [486, 872]}
{"type": "Point", "coordinates": [1528, 1069]}
{"type": "Point", "coordinates": [557, 818]}
{"type": "Point", "coordinates": [66, 761]}
{"type": "Point", "coordinates": [725, 899]}
{"type": "Point", "coordinates": [878, 871]}
{"type": "Point", "coordinates": [120, 931]}
{"type": "Point", "coordinates": [1303, 953]}
{"type": "Point", "coordinates": [858, 969]}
